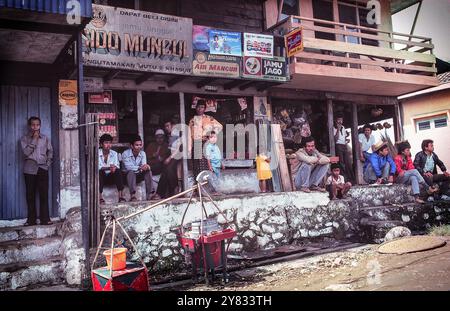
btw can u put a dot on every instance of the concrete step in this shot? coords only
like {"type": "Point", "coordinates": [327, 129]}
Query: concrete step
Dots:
{"type": "Point", "coordinates": [20, 275]}
{"type": "Point", "coordinates": [29, 232]}
{"type": "Point", "coordinates": [378, 195]}
{"type": "Point", "coordinates": [29, 250]}
{"type": "Point", "coordinates": [374, 231]}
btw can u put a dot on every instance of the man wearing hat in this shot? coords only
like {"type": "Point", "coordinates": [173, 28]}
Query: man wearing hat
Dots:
{"type": "Point", "coordinates": [406, 172]}
{"type": "Point", "coordinates": [380, 168]}
{"type": "Point", "coordinates": [157, 152]}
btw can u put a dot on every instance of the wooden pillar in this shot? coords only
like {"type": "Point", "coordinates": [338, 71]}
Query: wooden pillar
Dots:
{"type": "Point", "coordinates": [140, 115]}
{"type": "Point", "coordinates": [356, 146]}
{"type": "Point", "coordinates": [185, 151]}
{"type": "Point", "coordinates": [397, 123]}
{"type": "Point", "coordinates": [330, 119]}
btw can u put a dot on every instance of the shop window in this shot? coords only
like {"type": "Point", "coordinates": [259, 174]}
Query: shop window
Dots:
{"type": "Point", "coordinates": [290, 7]}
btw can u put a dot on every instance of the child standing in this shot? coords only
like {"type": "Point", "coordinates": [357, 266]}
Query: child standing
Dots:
{"type": "Point", "coordinates": [213, 155]}
{"type": "Point", "coordinates": [336, 185]}
{"type": "Point", "coordinates": [263, 171]}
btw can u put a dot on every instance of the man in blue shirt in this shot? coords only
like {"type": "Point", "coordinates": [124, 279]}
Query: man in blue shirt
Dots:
{"type": "Point", "coordinates": [109, 167]}
{"type": "Point", "coordinates": [136, 168]}
{"type": "Point", "coordinates": [380, 168]}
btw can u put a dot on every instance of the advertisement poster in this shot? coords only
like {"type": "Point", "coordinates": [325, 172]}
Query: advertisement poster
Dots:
{"type": "Point", "coordinates": [225, 43]}
{"type": "Point", "coordinates": [68, 92]}
{"type": "Point", "coordinates": [107, 123]}
{"type": "Point", "coordinates": [104, 97]}
{"type": "Point", "coordinates": [294, 42]}
{"type": "Point", "coordinates": [205, 64]}
{"type": "Point", "coordinates": [211, 104]}
{"type": "Point", "coordinates": [261, 108]}
{"type": "Point", "coordinates": [258, 45]}
{"type": "Point", "coordinates": [136, 40]}
{"type": "Point", "coordinates": [93, 84]}
{"type": "Point", "coordinates": [274, 69]}
{"type": "Point", "coordinates": [200, 38]}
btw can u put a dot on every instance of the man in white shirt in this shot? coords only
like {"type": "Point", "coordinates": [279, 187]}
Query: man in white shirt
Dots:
{"type": "Point", "coordinates": [136, 168]}
{"type": "Point", "coordinates": [341, 147]}
{"type": "Point", "coordinates": [109, 167]}
{"type": "Point", "coordinates": [366, 141]}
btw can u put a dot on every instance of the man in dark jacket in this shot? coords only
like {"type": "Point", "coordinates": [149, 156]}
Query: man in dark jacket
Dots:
{"type": "Point", "coordinates": [426, 161]}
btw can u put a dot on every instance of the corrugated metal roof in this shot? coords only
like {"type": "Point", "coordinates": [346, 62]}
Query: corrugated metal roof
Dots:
{"type": "Point", "coordinates": [47, 6]}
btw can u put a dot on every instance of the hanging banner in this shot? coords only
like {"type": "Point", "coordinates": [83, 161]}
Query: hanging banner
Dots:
{"type": "Point", "coordinates": [136, 40]}
{"type": "Point", "coordinates": [225, 43]}
{"type": "Point", "coordinates": [104, 97]}
{"type": "Point", "coordinates": [68, 92]}
{"type": "Point", "coordinates": [274, 69]}
{"type": "Point", "coordinates": [205, 64]}
{"type": "Point", "coordinates": [294, 42]}
{"type": "Point", "coordinates": [258, 45]}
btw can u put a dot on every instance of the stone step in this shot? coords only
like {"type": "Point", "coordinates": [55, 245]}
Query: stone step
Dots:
{"type": "Point", "coordinates": [43, 272]}
{"type": "Point", "coordinates": [375, 230]}
{"type": "Point", "coordinates": [29, 232]}
{"type": "Point", "coordinates": [378, 195]}
{"type": "Point", "coordinates": [29, 250]}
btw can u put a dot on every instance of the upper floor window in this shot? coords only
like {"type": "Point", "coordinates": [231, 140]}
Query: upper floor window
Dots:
{"type": "Point", "coordinates": [290, 7]}
{"type": "Point", "coordinates": [431, 123]}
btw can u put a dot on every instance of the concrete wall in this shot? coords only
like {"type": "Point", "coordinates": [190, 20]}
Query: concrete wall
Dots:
{"type": "Point", "coordinates": [424, 106]}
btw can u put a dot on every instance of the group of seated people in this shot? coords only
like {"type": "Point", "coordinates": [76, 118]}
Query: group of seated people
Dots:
{"type": "Point", "coordinates": [310, 168]}
{"type": "Point", "coordinates": [134, 165]}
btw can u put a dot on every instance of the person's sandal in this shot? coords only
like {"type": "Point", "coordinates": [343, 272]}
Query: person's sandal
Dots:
{"type": "Point", "coordinates": [121, 200]}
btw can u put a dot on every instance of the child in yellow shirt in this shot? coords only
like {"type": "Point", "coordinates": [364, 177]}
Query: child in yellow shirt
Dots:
{"type": "Point", "coordinates": [263, 171]}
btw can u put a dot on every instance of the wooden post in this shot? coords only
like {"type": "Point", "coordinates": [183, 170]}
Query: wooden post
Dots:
{"type": "Point", "coordinates": [397, 132]}
{"type": "Point", "coordinates": [330, 120]}
{"type": "Point", "coordinates": [280, 154]}
{"type": "Point", "coordinates": [356, 146]}
{"type": "Point", "coordinates": [185, 151]}
{"type": "Point", "coordinates": [140, 114]}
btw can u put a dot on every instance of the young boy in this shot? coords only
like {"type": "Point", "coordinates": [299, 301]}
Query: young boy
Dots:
{"type": "Point", "coordinates": [263, 171]}
{"type": "Point", "coordinates": [336, 185]}
{"type": "Point", "coordinates": [213, 155]}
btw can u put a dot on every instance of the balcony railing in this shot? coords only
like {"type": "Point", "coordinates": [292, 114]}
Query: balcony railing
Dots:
{"type": "Point", "coordinates": [345, 45]}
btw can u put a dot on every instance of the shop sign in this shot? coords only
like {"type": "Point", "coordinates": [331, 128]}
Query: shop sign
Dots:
{"type": "Point", "coordinates": [225, 43]}
{"type": "Point", "coordinates": [136, 40]}
{"type": "Point", "coordinates": [258, 45]}
{"type": "Point", "coordinates": [200, 38]}
{"type": "Point", "coordinates": [205, 64]}
{"type": "Point", "coordinates": [104, 97]}
{"type": "Point", "coordinates": [93, 84]}
{"type": "Point", "coordinates": [107, 123]}
{"type": "Point", "coordinates": [294, 42]}
{"type": "Point", "coordinates": [265, 68]}
{"type": "Point", "coordinates": [68, 92]}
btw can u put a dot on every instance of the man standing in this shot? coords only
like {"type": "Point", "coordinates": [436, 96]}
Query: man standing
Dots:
{"type": "Point", "coordinates": [157, 152]}
{"type": "Point", "coordinates": [366, 141]}
{"type": "Point", "coordinates": [341, 147]}
{"type": "Point", "coordinates": [380, 168]}
{"type": "Point", "coordinates": [312, 168]}
{"type": "Point", "coordinates": [426, 161]}
{"type": "Point", "coordinates": [38, 153]}
{"type": "Point", "coordinates": [109, 167]}
{"type": "Point", "coordinates": [200, 125]}
{"type": "Point", "coordinates": [169, 179]}
{"type": "Point", "coordinates": [136, 168]}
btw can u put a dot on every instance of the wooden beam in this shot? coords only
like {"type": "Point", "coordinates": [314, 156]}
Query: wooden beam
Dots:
{"type": "Point", "coordinates": [111, 75]}
{"type": "Point", "coordinates": [204, 82]}
{"type": "Point", "coordinates": [280, 155]}
{"type": "Point", "coordinates": [175, 80]}
{"type": "Point", "coordinates": [248, 84]}
{"type": "Point", "coordinates": [185, 151]}
{"type": "Point", "coordinates": [141, 79]}
{"type": "Point", "coordinates": [330, 123]}
{"type": "Point", "coordinates": [140, 114]}
{"type": "Point", "coordinates": [357, 165]}
{"type": "Point", "coordinates": [38, 27]}
{"type": "Point", "coordinates": [233, 84]}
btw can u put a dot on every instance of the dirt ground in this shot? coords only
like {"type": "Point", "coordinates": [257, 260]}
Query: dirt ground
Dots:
{"type": "Point", "coordinates": [361, 268]}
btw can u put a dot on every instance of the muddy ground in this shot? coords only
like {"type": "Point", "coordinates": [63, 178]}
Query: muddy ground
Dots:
{"type": "Point", "coordinates": [361, 268]}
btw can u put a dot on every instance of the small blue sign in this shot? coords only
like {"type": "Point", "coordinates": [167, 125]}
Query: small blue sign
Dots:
{"type": "Point", "coordinates": [225, 43]}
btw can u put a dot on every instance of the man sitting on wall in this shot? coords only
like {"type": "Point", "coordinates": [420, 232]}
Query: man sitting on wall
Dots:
{"type": "Point", "coordinates": [157, 152]}
{"type": "Point", "coordinates": [311, 169]}
{"type": "Point", "coordinates": [426, 161]}
{"type": "Point", "coordinates": [109, 167]}
{"type": "Point", "coordinates": [136, 168]}
{"type": "Point", "coordinates": [366, 141]}
{"type": "Point", "coordinates": [380, 168]}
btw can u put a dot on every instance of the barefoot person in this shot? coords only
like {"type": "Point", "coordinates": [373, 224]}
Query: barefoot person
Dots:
{"type": "Point", "coordinates": [335, 183]}
{"type": "Point", "coordinates": [38, 153]}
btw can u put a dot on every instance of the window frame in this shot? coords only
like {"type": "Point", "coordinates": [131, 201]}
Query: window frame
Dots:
{"type": "Point", "coordinates": [432, 122]}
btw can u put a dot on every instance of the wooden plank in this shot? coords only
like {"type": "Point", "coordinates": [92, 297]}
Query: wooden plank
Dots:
{"type": "Point", "coordinates": [185, 151]}
{"type": "Point", "coordinates": [356, 145]}
{"type": "Point", "coordinates": [366, 50]}
{"type": "Point", "coordinates": [309, 55]}
{"type": "Point", "coordinates": [140, 114]}
{"type": "Point", "coordinates": [280, 154]}
{"type": "Point", "coordinates": [330, 124]}
{"type": "Point", "coordinates": [426, 46]}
